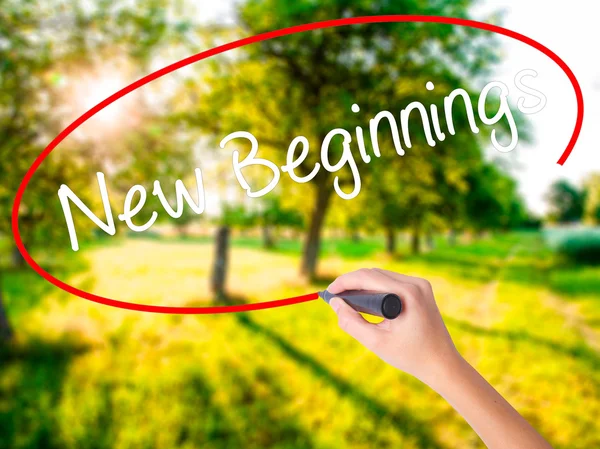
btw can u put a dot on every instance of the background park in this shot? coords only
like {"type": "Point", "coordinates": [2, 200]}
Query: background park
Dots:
{"type": "Point", "coordinates": [519, 290]}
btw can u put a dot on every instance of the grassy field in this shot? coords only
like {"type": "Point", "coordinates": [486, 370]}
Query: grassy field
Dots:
{"type": "Point", "coordinates": [82, 375]}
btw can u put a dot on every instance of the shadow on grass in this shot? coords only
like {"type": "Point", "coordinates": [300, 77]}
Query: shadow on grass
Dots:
{"type": "Point", "coordinates": [323, 279]}
{"type": "Point", "coordinates": [275, 427]}
{"type": "Point", "coordinates": [406, 422]}
{"type": "Point", "coordinates": [253, 418]}
{"type": "Point", "coordinates": [23, 288]}
{"type": "Point", "coordinates": [581, 352]}
{"type": "Point", "coordinates": [213, 423]}
{"type": "Point", "coordinates": [575, 281]}
{"type": "Point", "coordinates": [33, 377]}
{"type": "Point", "coordinates": [31, 381]}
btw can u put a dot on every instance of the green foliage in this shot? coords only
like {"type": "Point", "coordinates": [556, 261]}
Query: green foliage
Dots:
{"type": "Point", "coordinates": [492, 201]}
{"type": "Point", "coordinates": [41, 43]}
{"type": "Point", "coordinates": [22, 60]}
{"type": "Point", "coordinates": [566, 202]}
{"type": "Point", "coordinates": [592, 198]}
{"type": "Point", "coordinates": [274, 214]}
{"type": "Point", "coordinates": [304, 84]}
{"type": "Point", "coordinates": [237, 215]}
{"type": "Point", "coordinates": [581, 245]}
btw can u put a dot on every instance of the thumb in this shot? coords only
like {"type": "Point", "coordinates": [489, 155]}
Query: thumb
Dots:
{"type": "Point", "coordinates": [352, 322]}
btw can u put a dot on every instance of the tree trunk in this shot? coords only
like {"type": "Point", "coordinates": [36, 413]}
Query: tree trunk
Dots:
{"type": "Point", "coordinates": [429, 240]}
{"type": "Point", "coordinates": [268, 240]}
{"type": "Point", "coordinates": [182, 231]}
{"type": "Point", "coordinates": [355, 236]}
{"type": "Point", "coordinates": [5, 329]}
{"type": "Point", "coordinates": [416, 241]}
{"type": "Point", "coordinates": [312, 243]}
{"type": "Point", "coordinates": [219, 273]}
{"type": "Point", "coordinates": [452, 237]}
{"type": "Point", "coordinates": [17, 258]}
{"type": "Point", "coordinates": [390, 239]}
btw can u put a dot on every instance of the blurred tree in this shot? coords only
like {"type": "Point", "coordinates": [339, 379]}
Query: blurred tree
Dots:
{"type": "Point", "coordinates": [304, 84]}
{"type": "Point", "coordinates": [238, 216]}
{"type": "Point", "coordinates": [6, 332]}
{"type": "Point", "coordinates": [350, 217]}
{"type": "Point", "coordinates": [492, 201]}
{"type": "Point", "coordinates": [235, 215]}
{"type": "Point", "coordinates": [21, 120]}
{"type": "Point", "coordinates": [182, 224]}
{"type": "Point", "coordinates": [566, 202]}
{"type": "Point", "coordinates": [219, 270]}
{"type": "Point", "coordinates": [592, 198]}
{"type": "Point", "coordinates": [428, 193]}
{"type": "Point", "coordinates": [156, 151]}
{"type": "Point", "coordinates": [21, 60]}
{"type": "Point", "coordinates": [39, 41]}
{"type": "Point", "coordinates": [274, 215]}
{"type": "Point", "coordinates": [419, 196]}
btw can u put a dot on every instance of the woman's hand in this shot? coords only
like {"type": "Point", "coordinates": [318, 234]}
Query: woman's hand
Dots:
{"type": "Point", "coordinates": [417, 341]}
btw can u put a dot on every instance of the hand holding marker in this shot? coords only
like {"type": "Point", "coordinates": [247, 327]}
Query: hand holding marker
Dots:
{"type": "Point", "coordinates": [385, 305]}
{"type": "Point", "coordinates": [414, 339]}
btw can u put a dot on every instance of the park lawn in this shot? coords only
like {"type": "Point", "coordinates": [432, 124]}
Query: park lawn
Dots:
{"type": "Point", "coordinates": [82, 375]}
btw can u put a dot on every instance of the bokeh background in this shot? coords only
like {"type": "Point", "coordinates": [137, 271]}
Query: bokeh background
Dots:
{"type": "Point", "coordinates": [510, 242]}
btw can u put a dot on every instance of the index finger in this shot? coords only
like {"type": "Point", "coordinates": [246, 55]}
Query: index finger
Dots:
{"type": "Point", "coordinates": [363, 279]}
{"type": "Point", "coordinates": [404, 277]}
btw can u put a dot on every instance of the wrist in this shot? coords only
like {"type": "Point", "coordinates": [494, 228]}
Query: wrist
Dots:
{"type": "Point", "coordinates": [446, 371]}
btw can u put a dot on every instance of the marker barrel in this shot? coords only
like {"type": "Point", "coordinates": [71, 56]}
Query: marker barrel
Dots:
{"type": "Point", "coordinates": [385, 305]}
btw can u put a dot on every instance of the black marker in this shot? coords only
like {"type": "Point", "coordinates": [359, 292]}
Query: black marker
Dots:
{"type": "Point", "coordinates": [385, 305]}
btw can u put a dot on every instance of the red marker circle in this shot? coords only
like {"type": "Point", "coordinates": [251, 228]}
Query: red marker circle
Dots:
{"type": "Point", "coordinates": [230, 46]}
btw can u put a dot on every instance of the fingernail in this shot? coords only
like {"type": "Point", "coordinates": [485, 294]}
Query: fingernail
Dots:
{"type": "Point", "coordinates": [335, 303]}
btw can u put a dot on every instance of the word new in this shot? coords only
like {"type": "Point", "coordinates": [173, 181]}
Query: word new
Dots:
{"type": "Point", "coordinates": [66, 194]}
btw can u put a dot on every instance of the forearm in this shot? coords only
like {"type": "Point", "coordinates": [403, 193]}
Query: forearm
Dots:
{"type": "Point", "coordinates": [418, 343]}
{"type": "Point", "coordinates": [496, 422]}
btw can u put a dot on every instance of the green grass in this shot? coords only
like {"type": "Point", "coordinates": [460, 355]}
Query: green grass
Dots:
{"type": "Point", "coordinates": [82, 375]}
{"type": "Point", "coordinates": [330, 247]}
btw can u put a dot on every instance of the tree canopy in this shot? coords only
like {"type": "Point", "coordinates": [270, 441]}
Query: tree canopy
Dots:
{"type": "Point", "coordinates": [305, 84]}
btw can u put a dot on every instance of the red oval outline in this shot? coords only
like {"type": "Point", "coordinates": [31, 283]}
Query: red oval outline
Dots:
{"type": "Point", "coordinates": [230, 46]}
